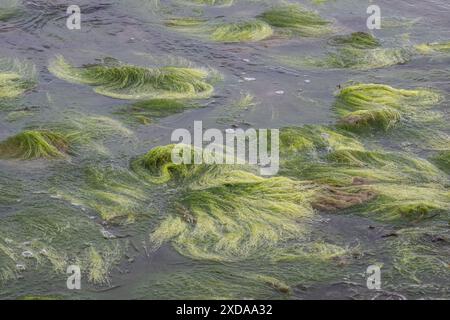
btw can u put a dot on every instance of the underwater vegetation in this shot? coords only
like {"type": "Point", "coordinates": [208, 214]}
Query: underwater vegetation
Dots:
{"type": "Point", "coordinates": [303, 265]}
{"type": "Point", "coordinates": [387, 186]}
{"type": "Point", "coordinates": [420, 254]}
{"type": "Point", "coordinates": [219, 214]}
{"type": "Point", "coordinates": [295, 19]}
{"type": "Point", "coordinates": [123, 81]}
{"type": "Point", "coordinates": [47, 239]}
{"type": "Point", "coordinates": [115, 194]}
{"type": "Point", "coordinates": [59, 140]}
{"type": "Point", "coordinates": [288, 20]}
{"type": "Point", "coordinates": [9, 9]}
{"type": "Point", "coordinates": [216, 3]}
{"type": "Point", "coordinates": [228, 32]}
{"type": "Point", "coordinates": [363, 106]}
{"type": "Point", "coordinates": [16, 77]}
{"type": "Point", "coordinates": [253, 30]}
{"type": "Point", "coordinates": [33, 144]}
{"type": "Point", "coordinates": [362, 51]}
{"type": "Point", "coordinates": [442, 160]}
{"type": "Point", "coordinates": [436, 47]}
{"type": "Point", "coordinates": [358, 40]}
{"type": "Point", "coordinates": [147, 111]}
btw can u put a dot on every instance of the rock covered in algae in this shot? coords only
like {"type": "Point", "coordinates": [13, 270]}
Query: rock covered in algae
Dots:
{"type": "Point", "coordinates": [123, 81]}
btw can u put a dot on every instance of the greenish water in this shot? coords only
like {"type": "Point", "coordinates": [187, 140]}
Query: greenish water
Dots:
{"type": "Point", "coordinates": [65, 206]}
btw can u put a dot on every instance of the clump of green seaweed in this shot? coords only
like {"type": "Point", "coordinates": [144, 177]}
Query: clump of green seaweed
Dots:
{"type": "Point", "coordinates": [9, 9]}
{"type": "Point", "coordinates": [363, 106]}
{"type": "Point", "coordinates": [358, 40]}
{"type": "Point", "coordinates": [362, 51]}
{"type": "Point", "coordinates": [219, 214]}
{"type": "Point", "coordinates": [16, 77]}
{"type": "Point", "coordinates": [419, 254]}
{"type": "Point", "coordinates": [370, 182]}
{"type": "Point", "coordinates": [47, 239]}
{"type": "Point", "coordinates": [215, 3]}
{"type": "Point", "coordinates": [123, 81]}
{"type": "Point", "coordinates": [146, 111]}
{"type": "Point", "coordinates": [297, 20]}
{"type": "Point", "coordinates": [59, 140]}
{"type": "Point", "coordinates": [33, 144]}
{"type": "Point", "coordinates": [246, 31]}
{"type": "Point", "coordinates": [442, 160]}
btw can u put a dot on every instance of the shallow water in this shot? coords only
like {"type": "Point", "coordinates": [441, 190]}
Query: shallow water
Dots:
{"type": "Point", "coordinates": [132, 31]}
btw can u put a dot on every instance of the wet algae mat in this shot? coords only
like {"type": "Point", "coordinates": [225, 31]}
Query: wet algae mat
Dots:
{"type": "Point", "coordinates": [86, 176]}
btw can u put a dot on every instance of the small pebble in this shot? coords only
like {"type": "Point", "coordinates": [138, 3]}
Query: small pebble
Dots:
{"type": "Point", "coordinates": [27, 254]}
{"type": "Point", "coordinates": [249, 79]}
{"type": "Point", "coordinates": [20, 267]}
{"type": "Point", "coordinates": [279, 92]}
{"type": "Point", "coordinates": [107, 235]}
{"type": "Point", "coordinates": [307, 81]}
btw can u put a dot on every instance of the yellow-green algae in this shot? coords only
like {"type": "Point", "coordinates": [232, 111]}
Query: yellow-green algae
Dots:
{"type": "Point", "coordinates": [184, 22]}
{"type": "Point", "coordinates": [302, 265]}
{"type": "Point", "coordinates": [147, 111]}
{"type": "Point", "coordinates": [250, 30]}
{"type": "Point", "coordinates": [245, 31]}
{"type": "Point", "coordinates": [50, 235]}
{"type": "Point", "coordinates": [58, 140]}
{"type": "Point", "coordinates": [442, 160]}
{"type": "Point", "coordinates": [216, 3]}
{"type": "Point", "coordinates": [116, 195]}
{"type": "Point", "coordinates": [16, 77]}
{"type": "Point", "coordinates": [124, 81]}
{"type": "Point", "coordinates": [435, 47]}
{"type": "Point", "coordinates": [353, 53]}
{"type": "Point", "coordinates": [383, 185]}
{"type": "Point", "coordinates": [297, 20]}
{"type": "Point", "coordinates": [421, 253]}
{"type": "Point", "coordinates": [359, 40]}
{"type": "Point", "coordinates": [362, 106]}
{"type": "Point", "coordinates": [221, 213]}
{"type": "Point", "coordinates": [33, 144]}
{"type": "Point", "coordinates": [9, 9]}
